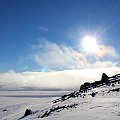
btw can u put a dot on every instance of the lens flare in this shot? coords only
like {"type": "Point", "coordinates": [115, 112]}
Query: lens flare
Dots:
{"type": "Point", "coordinates": [90, 44]}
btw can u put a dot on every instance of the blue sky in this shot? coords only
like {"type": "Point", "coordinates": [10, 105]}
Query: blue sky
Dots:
{"type": "Point", "coordinates": [46, 35]}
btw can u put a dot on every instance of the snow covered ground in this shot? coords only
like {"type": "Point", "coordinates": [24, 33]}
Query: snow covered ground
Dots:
{"type": "Point", "coordinates": [14, 103]}
{"type": "Point", "coordinates": [104, 106]}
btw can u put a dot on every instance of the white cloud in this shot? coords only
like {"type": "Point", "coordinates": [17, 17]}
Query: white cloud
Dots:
{"type": "Point", "coordinates": [67, 79]}
{"type": "Point", "coordinates": [105, 51]}
{"type": "Point", "coordinates": [51, 54]}
{"type": "Point", "coordinates": [59, 57]}
{"type": "Point", "coordinates": [44, 29]}
{"type": "Point", "coordinates": [101, 64]}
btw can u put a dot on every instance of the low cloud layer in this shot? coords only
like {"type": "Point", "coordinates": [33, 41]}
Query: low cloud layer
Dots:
{"type": "Point", "coordinates": [68, 79]}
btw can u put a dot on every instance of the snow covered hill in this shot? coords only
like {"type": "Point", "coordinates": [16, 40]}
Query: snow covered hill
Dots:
{"type": "Point", "coordinates": [101, 103]}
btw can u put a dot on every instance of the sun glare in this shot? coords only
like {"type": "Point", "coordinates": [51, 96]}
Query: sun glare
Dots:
{"type": "Point", "coordinates": [90, 44]}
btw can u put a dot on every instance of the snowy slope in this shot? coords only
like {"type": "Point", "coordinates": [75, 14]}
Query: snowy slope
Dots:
{"type": "Point", "coordinates": [104, 106]}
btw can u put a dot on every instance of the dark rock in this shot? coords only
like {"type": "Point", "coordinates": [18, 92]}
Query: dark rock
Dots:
{"type": "Point", "coordinates": [27, 112]}
{"type": "Point", "coordinates": [84, 87]}
{"type": "Point", "coordinates": [4, 110]}
{"type": "Point", "coordinates": [104, 77]}
{"type": "Point", "coordinates": [116, 90]}
{"type": "Point", "coordinates": [93, 94]}
{"type": "Point", "coordinates": [113, 85]}
{"type": "Point", "coordinates": [57, 109]}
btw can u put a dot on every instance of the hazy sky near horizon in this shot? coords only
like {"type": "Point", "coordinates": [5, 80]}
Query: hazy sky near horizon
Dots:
{"type": "Point", "coordinates": [48, 35]}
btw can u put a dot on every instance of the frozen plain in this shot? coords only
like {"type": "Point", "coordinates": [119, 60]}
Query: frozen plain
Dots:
{"type": "Point", "coordinates": [104, 106]}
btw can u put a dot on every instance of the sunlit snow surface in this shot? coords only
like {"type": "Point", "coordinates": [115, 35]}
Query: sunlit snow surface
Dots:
{"type": "Point", "coordinates": [104, 106]}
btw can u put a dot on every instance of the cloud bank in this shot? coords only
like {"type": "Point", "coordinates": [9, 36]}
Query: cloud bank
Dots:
{"type": "Point", "coordinates": [66, 80]}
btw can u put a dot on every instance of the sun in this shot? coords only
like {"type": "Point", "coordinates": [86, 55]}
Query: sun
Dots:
{"type": "Point", "coordinates": [90, 44]}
